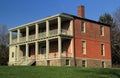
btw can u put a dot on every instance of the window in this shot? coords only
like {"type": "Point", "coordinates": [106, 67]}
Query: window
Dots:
{"type": "Point", "coordinates": [84, 47]}
{"type": "Point", "coordinates": [67, 62]}
{"type": "Point", "coordinates": [102, 50]}
{"type": "Point", "coordinates": [48, 62]}
{"type": "Point", "coordinates": [83, 27]}
{"type": "Point", "coordinates": [103, 64]}
{"type": "Point", "coordinates": [12, 54]}
{"type": "Point", "coordinates": [101, 30]}
{"type": "Point", "coordinates": [84, 64]}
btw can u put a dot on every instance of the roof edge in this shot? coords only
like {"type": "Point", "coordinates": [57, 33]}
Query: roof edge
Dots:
{"type": "Point", "coordinates": [56, 16]}
{"type": "Point", "coordinates": [86, 19]}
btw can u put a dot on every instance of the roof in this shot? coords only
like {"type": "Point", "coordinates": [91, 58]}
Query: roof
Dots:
{"type": "Point", "coordinates": [78, 17]}
{"type": "Point", "coordinates": [61, 14]}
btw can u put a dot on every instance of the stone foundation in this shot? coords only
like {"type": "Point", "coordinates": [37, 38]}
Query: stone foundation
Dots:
{"type": "Point", "coordinates": [55, 62]}
{"type": "Point", "coordinates": [41, 63]}
{"type": "Point", "coordinates": [96, 63]}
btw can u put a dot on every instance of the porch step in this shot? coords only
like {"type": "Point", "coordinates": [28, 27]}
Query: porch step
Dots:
{"type": "Point", "coordinates": [27, 63]}
{"type": "Point", "coordinates": [31, 62]}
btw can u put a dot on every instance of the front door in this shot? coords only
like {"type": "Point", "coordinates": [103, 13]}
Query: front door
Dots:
{"type": "Point", "coordinates": [43, 51]}
{"type": "Point", "coordinates": [32, 52]}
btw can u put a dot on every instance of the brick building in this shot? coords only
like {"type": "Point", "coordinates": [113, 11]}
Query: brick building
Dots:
{"type": "Point", "coordinates": [61, 40]}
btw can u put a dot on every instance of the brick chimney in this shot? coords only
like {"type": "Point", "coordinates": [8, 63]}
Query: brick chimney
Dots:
{"type": "Point", "coordinates": [81, 11]}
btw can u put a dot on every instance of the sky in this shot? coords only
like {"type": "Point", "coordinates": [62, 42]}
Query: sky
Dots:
{"type": "Point", "coordinates": [17, 12]}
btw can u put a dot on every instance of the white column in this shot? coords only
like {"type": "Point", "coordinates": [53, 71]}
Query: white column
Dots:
{"type": "Point", "coordinates": [59, 46]}
{"type": "Point", "coordinates": [72, 48]}
{"type": "Point", "coordinates": [47, 48]}
{"type": "Point", "coordinates": [27, 33]}
{"type": "Point", "coordinates": [27, 51]}
{"type": "Point", "coordinates": [18, 35]}
{"type": "Point", "coordinates": [47, 28]}
{"type": "Point", "coordinates": [10, 54]}
{"type": "Point", "coordinates": [36, 49]}
{"type": "Point", "coordinates": [71, 27]}
{"type": "Point", "coordinates": [36, 31]}
{"type": "Point", "coordinates": [18, 49]}
{"type": "Point", "coordinates": [10, 37]}
{"type": "Point", "coordinates": [59, 25]}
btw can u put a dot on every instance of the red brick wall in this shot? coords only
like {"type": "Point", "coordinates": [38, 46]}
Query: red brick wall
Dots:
{"type": "Point", "coordinates": [93, 40]}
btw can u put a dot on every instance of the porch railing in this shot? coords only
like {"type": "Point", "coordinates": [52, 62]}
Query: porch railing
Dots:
{"type": "Point", "coordinates": [66, 32]}
{"type": "Point", "coordinates": [31, 37]}
{"type": "Point", "coordinates": [43, 35]}
{"type": "Point", "coordinates": [14, 41]}
{"type": "Point", "coordinates": [22, 39]}
{"type": "Point", "coordinates": [53, 32]}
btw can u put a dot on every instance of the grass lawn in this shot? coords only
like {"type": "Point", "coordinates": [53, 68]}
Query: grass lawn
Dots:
{"type": "Point", "coordinates": [57, 72]}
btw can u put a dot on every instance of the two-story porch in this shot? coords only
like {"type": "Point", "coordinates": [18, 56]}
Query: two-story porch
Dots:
{"type": "Point", "coordinates": [42, 41]}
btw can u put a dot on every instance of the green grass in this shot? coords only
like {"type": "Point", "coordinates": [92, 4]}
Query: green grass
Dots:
{"type": "Point", "coordinates": [57, 72]}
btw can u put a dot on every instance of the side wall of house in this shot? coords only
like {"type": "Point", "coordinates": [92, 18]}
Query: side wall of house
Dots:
{"type": "Point", "coordinates": [93, 41]}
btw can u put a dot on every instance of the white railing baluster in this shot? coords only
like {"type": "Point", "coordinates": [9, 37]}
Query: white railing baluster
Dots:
{"type": "Point", "coordinates": [43, 35]}
{"type": "Point", "coordinates": [32, 37]}
{"type": "Point", "coordinates": [22, 39]}
{"type": "Point", "coordinates": [14, 41]}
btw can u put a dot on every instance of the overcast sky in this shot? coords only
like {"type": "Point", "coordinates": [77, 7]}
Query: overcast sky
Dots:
{"type": "Point", "coordinates": [17, 12]}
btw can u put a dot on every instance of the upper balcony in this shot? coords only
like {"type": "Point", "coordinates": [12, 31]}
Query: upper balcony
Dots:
{"type": "Point", "coordinates": [42, 35]}
{"type": "Point", "coordinates": [42, 30]}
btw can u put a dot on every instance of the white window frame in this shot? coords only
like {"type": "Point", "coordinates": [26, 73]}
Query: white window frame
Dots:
{"type": "Point", "coordinates": [102, 30]}
{"type": "Point", "coordinates": [13, 54]}
{"type": "Point", "coordinates": [83, 46]}
{"type": "Point", "coordinates": [83, 27]}
{"type": "Point", "coordinates": [68, 61]}
{"type": "Point", "coordinates": [85, 61]}
{"type": "Point", "coordinates": [103, 64]}
{"type": "Point", "coordinates": [103, 49]}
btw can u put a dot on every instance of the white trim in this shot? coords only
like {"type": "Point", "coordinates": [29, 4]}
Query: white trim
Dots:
{"type": "Point", "coordinates": [85, 62]}
{"type": "Point", "coordinates": [103, 49]}
{"type": "Point", "coordinates": [66, 62]}
{"type": "Point", "coordinates": [103, 64]}
{"type": "Point", "coordinates": [83, 46]}
{"type": "Point", "coordinates": [101, 30]}
{"type": "Point", "coordinates": [83, 25]}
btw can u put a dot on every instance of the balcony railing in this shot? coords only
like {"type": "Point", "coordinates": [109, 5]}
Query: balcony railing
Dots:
{"type": "Point", "coordinates": [31, 37]}
{"type": "Point", "coordinates": [22, 39]}
{"type": "Point", "coordinates": [66, 32]}
{"type": "Point", "coordinates": [14, 41]}
{"type": "Point", "coordinates": [53, 32]}
{"type": "Point", "coordinates": [43, 35]}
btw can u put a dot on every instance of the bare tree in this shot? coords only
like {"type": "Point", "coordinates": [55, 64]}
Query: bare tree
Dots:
{"type": "Point", "coordinates": [4, 50]}
{"type": "Point", "coordinates": [116, 17]}
{"type": "Point", "coordinates": [115, 36]}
